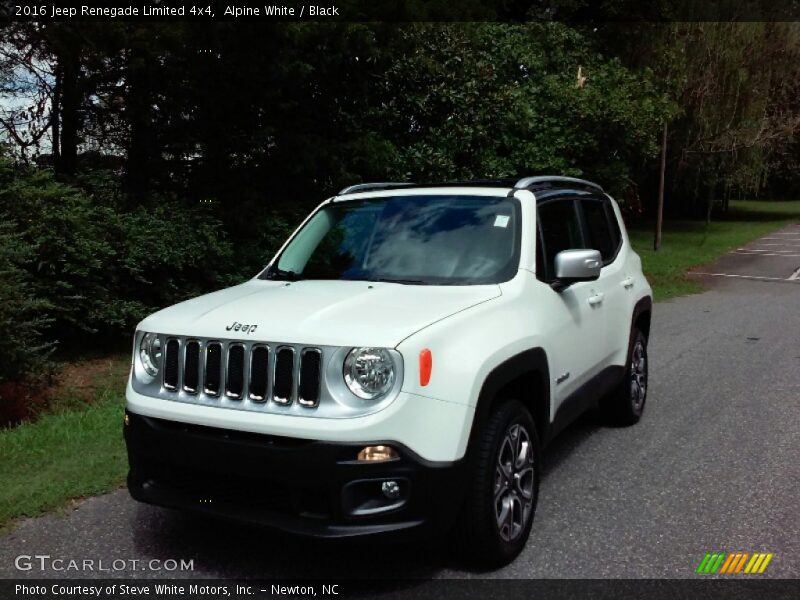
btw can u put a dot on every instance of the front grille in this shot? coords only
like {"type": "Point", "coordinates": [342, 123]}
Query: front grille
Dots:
{"type": "Point", "coordinates": [213, 368]}
{"type": "Point", "coordinates": [191, 367]}
{"type": "Point", "coordinates": [310, 363]}
{"type": "Point", "coordinates": [284, 376]}
{"type": "Point", "coordinates": [259, 373]}
{"type": "Point", "coordinates": [242, 373]}
{"type": "Point", "coordinates": [235, 373]}
{"type": "Point", "coordinates": [171, 365]}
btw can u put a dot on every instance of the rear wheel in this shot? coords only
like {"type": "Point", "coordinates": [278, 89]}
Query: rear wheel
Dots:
{"type": "Point", "coordinates": [625, 405]}
{"type": "Point", "coordinates": [503, 488]}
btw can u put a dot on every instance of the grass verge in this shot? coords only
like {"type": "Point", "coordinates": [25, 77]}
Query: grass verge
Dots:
{"type": "Point", "coordinates": [71, 453]}
{"type": "Point", "coordinates": [689, 244]}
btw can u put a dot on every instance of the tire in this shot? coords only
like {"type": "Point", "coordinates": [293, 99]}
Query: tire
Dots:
{"type": "Point", "coordinates": [500, 502]}
{"type": "Point", "coordinates": [625, 405]}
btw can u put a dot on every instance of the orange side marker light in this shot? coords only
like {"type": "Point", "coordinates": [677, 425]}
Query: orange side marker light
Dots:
{"type": "Point", "coordinates": [425, 367]}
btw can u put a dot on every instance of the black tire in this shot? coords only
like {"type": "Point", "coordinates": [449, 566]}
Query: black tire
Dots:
{"type": "Point", "coordinates": [625, 405]}
{"type": "Point", "coordinates": [481, 538]}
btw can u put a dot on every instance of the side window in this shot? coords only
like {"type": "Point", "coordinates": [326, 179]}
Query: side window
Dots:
{"type": "Point", "coordinates": [599, 234]}
{"type": "Point", "coordinates": [541, 269]}
{"type": "Point", "coordinates": [560, 230]}
{"type": "Point", "coordinates": [615, 231]}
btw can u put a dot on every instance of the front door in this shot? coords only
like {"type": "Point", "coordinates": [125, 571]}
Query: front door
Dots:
{"type": "Point", "coordinates": [576, 315]}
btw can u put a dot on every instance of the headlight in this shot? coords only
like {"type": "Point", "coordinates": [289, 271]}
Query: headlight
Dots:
{"type": "Point", "coordinates": [150, 353]}
{"type": "Point", "coordinates": [369, 372]}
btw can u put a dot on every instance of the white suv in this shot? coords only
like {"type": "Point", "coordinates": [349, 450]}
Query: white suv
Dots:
{"type": "Point", "coordinates": [398, 366]}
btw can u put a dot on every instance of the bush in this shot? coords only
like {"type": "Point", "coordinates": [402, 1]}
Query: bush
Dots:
{"type": "Point", "coordinates": [21, 315]}
{"type": "Point", "coordinates": [96, 270]}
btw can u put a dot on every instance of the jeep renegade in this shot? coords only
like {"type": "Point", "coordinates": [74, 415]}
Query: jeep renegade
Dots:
{"type": "Point", "coordinates": [398, 366]}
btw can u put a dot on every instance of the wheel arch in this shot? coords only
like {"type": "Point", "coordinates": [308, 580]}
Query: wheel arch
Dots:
{"type": "Point", "coordinates": [524, 377]}
{"type": "Point", "coordinates": [642, 314]}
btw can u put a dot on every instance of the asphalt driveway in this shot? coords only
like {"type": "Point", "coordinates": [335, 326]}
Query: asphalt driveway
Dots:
{"type": "Point", "coordinates": [713, 466]}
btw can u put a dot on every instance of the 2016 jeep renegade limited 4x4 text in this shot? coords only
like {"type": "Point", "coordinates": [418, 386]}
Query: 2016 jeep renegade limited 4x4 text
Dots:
{"type": "Point", "coordinates": [398, 366]}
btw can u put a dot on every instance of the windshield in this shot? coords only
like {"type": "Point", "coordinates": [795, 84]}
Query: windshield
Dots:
{"type": "Point", "coordinates": [407, 239]}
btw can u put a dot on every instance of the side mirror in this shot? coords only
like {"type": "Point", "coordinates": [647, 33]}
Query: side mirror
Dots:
{"type": "Point", "coordinates": [576, 265]}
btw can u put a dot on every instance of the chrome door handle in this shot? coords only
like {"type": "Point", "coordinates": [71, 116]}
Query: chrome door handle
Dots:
{"type": "Point", "coordinates": [627, 283]}
{"type": "Point", "coordinates": [596, 299]}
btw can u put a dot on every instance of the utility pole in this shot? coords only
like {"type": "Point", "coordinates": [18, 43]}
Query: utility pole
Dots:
{"type": "Point", "coordinates": [660, 210]}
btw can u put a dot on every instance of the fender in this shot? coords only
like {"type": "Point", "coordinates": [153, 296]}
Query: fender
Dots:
{"type": "Point", "coordinates": [643, 305]}
{"type": "Point", "coordinates": [528, 362]}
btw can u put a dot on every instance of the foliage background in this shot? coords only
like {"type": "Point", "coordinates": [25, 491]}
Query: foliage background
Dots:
{"type": "Point", "coordinates": [143, 163]}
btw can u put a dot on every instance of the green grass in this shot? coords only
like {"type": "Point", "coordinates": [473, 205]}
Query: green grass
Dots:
{"type": "Point", "coordinates": [688, 244]}
{"type": "Point", "coordinates": [64, 455]}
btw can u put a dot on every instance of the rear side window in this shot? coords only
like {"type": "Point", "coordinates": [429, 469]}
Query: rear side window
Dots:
{"type": "Point", "coordinates": [600, 233]}
{"type": "Point", "coordinates": [560, 230]}
{"type": "Point", "coordinates": [615, 231]}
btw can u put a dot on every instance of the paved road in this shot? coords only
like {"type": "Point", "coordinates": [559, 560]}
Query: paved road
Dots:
{"type": "Point", "coordinates": [713, 466]}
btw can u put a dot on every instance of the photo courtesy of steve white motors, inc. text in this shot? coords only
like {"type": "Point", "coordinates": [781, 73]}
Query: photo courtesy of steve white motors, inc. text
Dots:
{"type": "Point", "coordinates": [34, 10]}
{"type": "Point", "coordinates": [169, 589]}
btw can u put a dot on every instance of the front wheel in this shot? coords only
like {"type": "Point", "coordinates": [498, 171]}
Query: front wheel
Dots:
{"type": "Point", "coordinates": [504, 486]}
{"type": "Point", "coordinates": [625, 405]}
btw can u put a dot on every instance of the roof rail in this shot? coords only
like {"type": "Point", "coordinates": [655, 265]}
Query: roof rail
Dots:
{"type": "Point", "coordinates": [378, 185]}
{"type": "Point", "coordinates": [543, 180]}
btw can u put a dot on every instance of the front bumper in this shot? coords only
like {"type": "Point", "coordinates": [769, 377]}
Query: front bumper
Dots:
{"type": "Point", "coordinates": [306, 487]}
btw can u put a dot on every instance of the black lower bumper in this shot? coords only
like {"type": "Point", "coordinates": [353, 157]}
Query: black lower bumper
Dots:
{"type": "Point", "coordinates": [305, 487]}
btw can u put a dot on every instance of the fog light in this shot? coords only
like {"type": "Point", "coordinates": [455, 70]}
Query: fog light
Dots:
{"type": "Point", "coordinates": [390, 489]}
{"type": "Point", "coordinates": [126, 420]}
{"type": "Point", "coordinates": [377, 453]}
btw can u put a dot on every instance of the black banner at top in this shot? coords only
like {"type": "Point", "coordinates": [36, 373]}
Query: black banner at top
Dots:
{"type": "Point", "coordinates": [399, 10]}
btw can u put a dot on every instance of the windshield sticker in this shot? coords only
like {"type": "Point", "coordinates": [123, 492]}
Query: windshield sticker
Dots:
{"type": "Point", "coordinates": [501, 220]}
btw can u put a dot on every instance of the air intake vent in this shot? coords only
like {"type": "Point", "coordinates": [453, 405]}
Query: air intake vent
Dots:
{"type": "Point", "coordinates": [191, 367]}
{"type": "Point", "coordinates": [234, 383]}
{"type": "Point", "coordinates": [213, 368]}
{"type": "Point", "coordinates": [171, 366]}
{"type": "Point", "coordinates": [283, 381]}
{"type": "Point", "coordinates": [259, 369]}
{"type": "Point", "coordinates": [310, 362]}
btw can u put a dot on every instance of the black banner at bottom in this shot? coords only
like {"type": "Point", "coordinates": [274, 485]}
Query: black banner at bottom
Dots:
{"type": "Point", "coordinates": [437, 589]}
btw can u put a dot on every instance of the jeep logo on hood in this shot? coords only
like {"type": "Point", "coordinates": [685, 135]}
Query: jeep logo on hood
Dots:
{"type": "Point", "coordinates": [236, 326]}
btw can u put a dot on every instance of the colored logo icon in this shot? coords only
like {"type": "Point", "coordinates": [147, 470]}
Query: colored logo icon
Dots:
{"type": "Point", "coordinates": [731, 563]}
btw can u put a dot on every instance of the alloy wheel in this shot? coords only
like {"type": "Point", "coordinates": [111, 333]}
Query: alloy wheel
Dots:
{"type": "Point", "coordinates": [514, 482]}
{"type": "Point", "coordinates": [638, 375]}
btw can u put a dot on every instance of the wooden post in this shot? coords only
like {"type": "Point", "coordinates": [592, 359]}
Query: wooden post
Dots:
{"type": "Point", "coordinates": [660, 210]}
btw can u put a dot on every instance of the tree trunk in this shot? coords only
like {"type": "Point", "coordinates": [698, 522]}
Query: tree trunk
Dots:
{"type": "Point", "coordinates": [70, 67]}
{"type": "Point", "coordinates": [137, 177]}
{"type": "Point", "coordinates": [709, 205]}
{"type": "Point", "coordinates": [55, 121]}
{"type": "Point", "coordinates": [660, 209]}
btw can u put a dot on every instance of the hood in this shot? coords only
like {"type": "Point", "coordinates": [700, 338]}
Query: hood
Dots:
{"type": "Point", "coordinates": [323, 313]}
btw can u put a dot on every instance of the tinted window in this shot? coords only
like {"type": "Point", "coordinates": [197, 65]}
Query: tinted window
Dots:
{"type": "Point", "coordinates": [616, 234]}
{"type": "Point", "coordinates": [598, 231]}
{"type": "Point", "coordinates": [560, 230]}
{"type": "Point", "coordinates": [411, 239]}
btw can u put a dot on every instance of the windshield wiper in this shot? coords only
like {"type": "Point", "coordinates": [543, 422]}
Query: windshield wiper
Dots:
{"type": "Point", "coordinates": [403, 281]}
{"type": "Point", "coordinates": [277, 274]}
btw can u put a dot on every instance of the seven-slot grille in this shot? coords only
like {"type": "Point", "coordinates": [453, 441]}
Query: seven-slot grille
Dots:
{"type": "Point", "coordinates": [236, 371]}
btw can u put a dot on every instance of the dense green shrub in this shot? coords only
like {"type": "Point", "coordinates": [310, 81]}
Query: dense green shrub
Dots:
{"type": "Point", "coordinates": [96, 270]}
{"type": "Point", "coordinates": [21, 315]}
